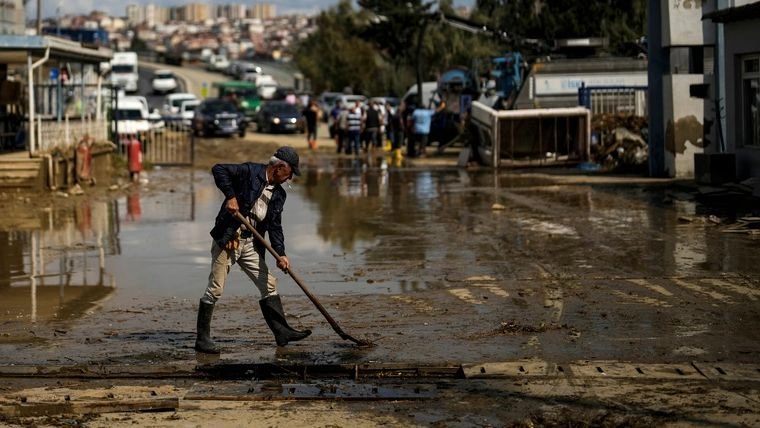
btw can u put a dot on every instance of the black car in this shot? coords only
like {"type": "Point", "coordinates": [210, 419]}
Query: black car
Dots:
{"type": "Point", "coordinates": [216, 116]}
{"type": "Point", "coordinates": [279, 116]}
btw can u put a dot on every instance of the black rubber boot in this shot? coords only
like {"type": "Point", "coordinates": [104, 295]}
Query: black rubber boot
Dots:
{"type": "Point", "coordinates": [203, 342]}
{"type": "Point", "coordinates": [271, 307]}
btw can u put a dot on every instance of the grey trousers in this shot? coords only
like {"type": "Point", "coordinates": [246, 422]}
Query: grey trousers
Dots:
{"type": "Point", "coordinates": [250, 261]}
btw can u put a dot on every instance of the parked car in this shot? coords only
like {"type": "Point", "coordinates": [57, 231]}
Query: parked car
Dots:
{"type": "Point", "coordinates": [163, 81]}
{"type": "Point", "coordinates": [348, 101]}
{"type": "Point", "coordinates": [129, 116]}
{"type": "Point", "coordinates": [187, 112]}
{"type": "Point", "coordinates": [279, 116]}
{"type": "Point", "coordinates": [327, 102]}
{"type": "Point", "coordinates": [248, 71]}
{"type": "Point", "coordinates": [154, 118]}
{"type": "Point", "coordinates": [215, 116]}
{"type": "Point", "coordinates": [217, 63]}
{"type": "Point", "coordinates": [232, 68]}
{"type": "Point", "coordinates": [172, 103]}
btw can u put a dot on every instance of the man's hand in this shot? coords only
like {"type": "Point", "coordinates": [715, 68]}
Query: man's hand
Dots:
{"type": "Point", "coordinates": [232, 205]}
{"type": "Point", "coordinates": [283, 263]}
{"type": "Point", "coordinates": [233, 244]}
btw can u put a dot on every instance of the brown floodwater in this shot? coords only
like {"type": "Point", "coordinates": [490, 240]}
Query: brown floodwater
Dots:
{"type": "Point", "coordinates": [359, 227]}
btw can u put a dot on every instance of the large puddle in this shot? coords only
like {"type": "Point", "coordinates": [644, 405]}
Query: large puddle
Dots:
{"type": "Point", "coordinates": [344, 222]}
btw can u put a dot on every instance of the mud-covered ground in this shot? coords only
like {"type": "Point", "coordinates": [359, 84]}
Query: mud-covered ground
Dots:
{"type": "Point", "coordinates": [537, 297]}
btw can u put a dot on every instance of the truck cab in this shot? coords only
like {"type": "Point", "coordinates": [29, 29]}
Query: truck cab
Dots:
{"type": "Point", "coordinates": [124, 71]}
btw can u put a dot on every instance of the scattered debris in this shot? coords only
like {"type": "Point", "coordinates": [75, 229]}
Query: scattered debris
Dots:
{"type": "Point", "coordinates": [748, 225]}
{"type": "Point", "coordinates": [498, 207]}
{"type": "Point", "coordinates": [621, 143]}
{"type": "Point", "coordinates": [76, 190]}
{"type": "Point", "coordinates": [511, 327]}
{"type": "Point", "coordinates": [711, 219]}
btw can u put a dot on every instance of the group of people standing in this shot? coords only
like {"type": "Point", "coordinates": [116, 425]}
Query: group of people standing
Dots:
{"type": "Point", "coordinates": [360, 128]}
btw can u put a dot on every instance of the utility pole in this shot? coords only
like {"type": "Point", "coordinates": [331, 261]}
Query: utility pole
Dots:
{"type": "Point", "coordinates": [39, 17]}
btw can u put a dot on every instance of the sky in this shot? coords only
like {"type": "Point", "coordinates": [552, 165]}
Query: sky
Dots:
{"type": "Point", "coordinates": [118, 7]}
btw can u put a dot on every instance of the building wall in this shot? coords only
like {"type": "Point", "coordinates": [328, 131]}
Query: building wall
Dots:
{"type": "Point", "coordinates": [684, 124]}
{"type": "Point", "coordinates": [681, 134]}
{"type": "Point", "coordinates": [262, 11]}
{"type": "Point", "coordinates": [741, 38]}
{"type": "Point", "coordinates": [12, 17]}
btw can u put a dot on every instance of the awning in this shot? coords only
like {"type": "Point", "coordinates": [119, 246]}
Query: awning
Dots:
{"type": "Point", "coordinates": [14, 49]}
{"type": "Point", "coordinates": [734, 14]}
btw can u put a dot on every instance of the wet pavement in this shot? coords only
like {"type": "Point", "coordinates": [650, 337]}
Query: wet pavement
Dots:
{"type": "Point", "coordinates": [593, 298]}
{"type": "Point", "coordinates": [434, 265]}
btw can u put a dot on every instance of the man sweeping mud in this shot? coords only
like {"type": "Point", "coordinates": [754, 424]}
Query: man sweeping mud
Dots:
{"type": "Point", "coordinates": [255, 190]}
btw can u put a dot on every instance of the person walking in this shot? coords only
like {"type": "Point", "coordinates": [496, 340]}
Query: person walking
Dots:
{"type": "Point", "coordinates": [255, 190]}
{"type": "Point", "coordinates": [311, 114]}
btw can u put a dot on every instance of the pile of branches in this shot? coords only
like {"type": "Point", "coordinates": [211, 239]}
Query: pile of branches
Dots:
{"type": "Point", "coordinates": [619, 142]}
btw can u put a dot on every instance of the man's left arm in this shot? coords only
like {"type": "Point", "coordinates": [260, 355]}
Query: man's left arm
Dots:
{"type": "Point", "coordinates": [277, 238]}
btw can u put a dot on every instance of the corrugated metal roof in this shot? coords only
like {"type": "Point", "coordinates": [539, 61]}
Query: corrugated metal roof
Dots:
{"type": "Point", "coordinates": [59, 48]}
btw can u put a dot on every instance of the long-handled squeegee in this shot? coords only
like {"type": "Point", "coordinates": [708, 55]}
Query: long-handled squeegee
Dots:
{"type": "Point", "coordinates": [297, 279]}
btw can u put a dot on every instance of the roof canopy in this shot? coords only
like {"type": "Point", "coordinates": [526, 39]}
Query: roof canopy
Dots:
{"type": "Point", "coordinates": [733, 14]}
{"type": "Point", "coordinates": [14, 49]}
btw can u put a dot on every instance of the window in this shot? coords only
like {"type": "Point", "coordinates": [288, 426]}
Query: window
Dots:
{"type": "Point", "coordinates": [751, 100]}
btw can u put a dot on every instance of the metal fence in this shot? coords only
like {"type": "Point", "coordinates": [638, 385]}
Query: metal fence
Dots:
{"type": "Point", "coordinates": [629, 100]}
{"type": "Point", "coordinates": [167, 143]}
{"type": "Point", "coordinates": [65, 134]}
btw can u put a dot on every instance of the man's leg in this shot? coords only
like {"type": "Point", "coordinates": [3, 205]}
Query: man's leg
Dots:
{"type": "Point", "coordinates": [220, 268]}
{"type": "Point", "coordinates": [253, 264]}
{"type": "Point", "coordinates": [411, 142]}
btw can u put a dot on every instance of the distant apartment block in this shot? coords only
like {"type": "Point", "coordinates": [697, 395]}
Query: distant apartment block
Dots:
{"type": "Point", "coordinates": [196, 12]}
{"type": "Point", "coordinates": [231, 12]}
{"type": "Point", "coordinates": [12, 17]}
{"type": "Point", "coordinates": [261, 11]}
{"type": "Point", "coordinates": [149, 14]}
{"type": "Point", "coordinates": [152, 14]}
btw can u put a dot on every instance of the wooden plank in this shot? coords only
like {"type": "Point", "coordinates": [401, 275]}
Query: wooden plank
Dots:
{"type": "Point", "coordinates": [21, 410]}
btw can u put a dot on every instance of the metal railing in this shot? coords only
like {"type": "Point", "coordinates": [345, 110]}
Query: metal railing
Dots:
{"type": "Point", "coordinates": [62, 135]}
{"type": "Point", "coordinates": [630, 100]}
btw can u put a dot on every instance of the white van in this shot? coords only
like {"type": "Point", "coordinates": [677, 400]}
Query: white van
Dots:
{"type": "Point", "coordinates": [125, 105]}
{"type": "Point", "coordinates": [430, 95]}
{"type": "Point", "coordinates": [124, 71]}
{"type": "Point", "coordinates": [131, 115]}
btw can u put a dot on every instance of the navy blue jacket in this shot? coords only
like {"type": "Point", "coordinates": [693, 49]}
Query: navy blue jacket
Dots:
{"type": "Point", "coordinates": [246, 181]}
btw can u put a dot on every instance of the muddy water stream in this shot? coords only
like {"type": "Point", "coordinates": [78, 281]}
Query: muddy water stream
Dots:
{"type": "Point", "coordinates": [544, 245]}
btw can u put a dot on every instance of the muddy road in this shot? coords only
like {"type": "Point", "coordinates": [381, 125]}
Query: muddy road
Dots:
{"type": "Point", "coordinates": [542, 284]}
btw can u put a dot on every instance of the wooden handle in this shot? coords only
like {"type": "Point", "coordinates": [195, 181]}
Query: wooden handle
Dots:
{"type": "Point", "coordinates": [298, 281]}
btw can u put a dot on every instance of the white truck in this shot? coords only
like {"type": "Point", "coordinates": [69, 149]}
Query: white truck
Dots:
{"type": "Point", "coordinates": [124, 71]}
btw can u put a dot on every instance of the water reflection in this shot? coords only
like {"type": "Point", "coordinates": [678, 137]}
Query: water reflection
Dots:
{"type": "Point", "coordinates": [358, 226]}
{"type": "Point", "coordinates": [56, 268]}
